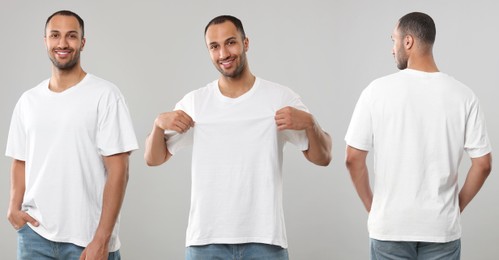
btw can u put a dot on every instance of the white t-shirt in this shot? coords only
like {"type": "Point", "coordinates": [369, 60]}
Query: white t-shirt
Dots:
{"type": "Point", "coordinates": [418, 125]}
{"type": "Point", "coordinates": [62, 138]}
{"type": "Point", "coordinates": [237, 163]}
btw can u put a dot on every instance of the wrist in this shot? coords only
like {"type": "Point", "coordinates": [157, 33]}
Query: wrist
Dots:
{"type": "Point", "coordinates": [102, 237]}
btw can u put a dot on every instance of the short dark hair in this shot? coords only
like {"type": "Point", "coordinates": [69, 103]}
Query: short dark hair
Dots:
{"type": "Point", "coordinates": [68, 13]}
{"type": "Point", "coordinates": [222, 18]}
{"type": "Point", "coordinates": [419, 25]}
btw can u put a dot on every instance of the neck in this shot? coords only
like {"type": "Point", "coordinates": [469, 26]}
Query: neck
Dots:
{"type": "Point", "coordinates": [236, 87]}
{"type": "Point", "coordinates": [61, 80]}
{"type": "Point", "coordinates": [423, 62]}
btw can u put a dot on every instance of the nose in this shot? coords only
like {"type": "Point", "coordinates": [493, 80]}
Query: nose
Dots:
{"type": "Point", "coordinates": [63, 42]}
{"type": "Point", "coordinates": [224, 53]}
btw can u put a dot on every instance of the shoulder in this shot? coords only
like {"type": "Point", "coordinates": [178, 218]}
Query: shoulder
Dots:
{"type": "Point", "coordinates": [101, 84]}
{"type": "Point", "coordinates": [275, 88]}
{"type": "Point", "coordinates": [203, 91]}
{"type": "Point", "coordinates": [387, 80]}
{"type": "Point", "coordinates": [35, 91]}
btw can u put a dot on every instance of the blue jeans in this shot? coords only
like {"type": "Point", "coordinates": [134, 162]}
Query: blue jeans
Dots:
{"type": "Point", "coordinates": [395, 250]}
{"type": "Point", "coordinates": [248, 251]}
{"type": "Point", "coordinates": [31, 246]}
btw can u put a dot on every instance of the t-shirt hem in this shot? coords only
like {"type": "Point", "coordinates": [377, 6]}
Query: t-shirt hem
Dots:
{"type": "Point", "coordinates": [356, 145]}
{"type": "Point", "coordinates": [40, 231]}
{"type": "Point", "coordinates": [202, 242]}
{"type": "Point", "coordinates": [431, 239]}
{"type": "Point", "coordinates": [120, 150]}
{"type": "Point", "coordinates": [475, 153]}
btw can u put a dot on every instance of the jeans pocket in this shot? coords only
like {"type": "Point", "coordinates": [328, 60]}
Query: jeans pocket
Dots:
{"type": "Point", "coordinates": [22, 228]}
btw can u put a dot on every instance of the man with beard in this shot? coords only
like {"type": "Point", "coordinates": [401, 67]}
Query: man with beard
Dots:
{"type": "Point", "coordinates": [70, 138]}
{"type": "Point", "coordinates": [238, 126]}
{"type": "Point", "coordinates": [419, 122]}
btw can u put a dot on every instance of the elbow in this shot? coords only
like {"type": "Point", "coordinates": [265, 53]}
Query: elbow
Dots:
{"type": "Point", "coordinates": [322, 160]}
{"type": "Point", "coordinates": [349, 161]}
{"type": "Point", "coordinates": [325, 161]}
{"type": "Point", "coordinates": [155, 161]}
{"type": "Point", "coordinates": [485, 164]}
{"type": "Point", "coordinates": [352, 161]}
{"type": "Point", "coordinates": [487, 169]}
{"type": "Point", "coordinates": [151, 163]}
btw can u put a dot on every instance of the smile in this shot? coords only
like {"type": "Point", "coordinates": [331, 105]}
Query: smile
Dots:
{"type": "Point", "coordinates": [62, 52]}
{"type": "Point", "coordinates": [227, 63]}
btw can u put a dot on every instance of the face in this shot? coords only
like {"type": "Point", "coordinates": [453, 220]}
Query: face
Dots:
{"type": "Point", "coordinates": [398, 50]}
{"type": "Point", "coordinates": [227, 49]}
{"type": "Point", "coordinates": [64, 41]}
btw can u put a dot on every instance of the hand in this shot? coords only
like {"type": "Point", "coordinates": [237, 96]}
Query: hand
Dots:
{"type": "Point", "coordinates": [96, 250]}
{"type": "Point", "coordinates": [293, 119]}
{"type": "Point", "coordinates": [19, 218]}
{"type": "Point", "coordinates": [178, 121]}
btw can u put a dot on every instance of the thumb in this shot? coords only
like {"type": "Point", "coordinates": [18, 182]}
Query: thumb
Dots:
{"type": "Point", "coordinates": [31, 220]}
{"type": "Point", "coordinates": [83, 254]}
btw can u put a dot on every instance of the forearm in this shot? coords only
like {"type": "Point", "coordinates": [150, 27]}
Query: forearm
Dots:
{"type": "Point", "coordinates": [17, 185]}
{"type": "Point", "coordinates": [113, 196]}
{"type": "Point", "coordinates": [156, 151]}
{"type": "Point", "coordinates": [319, 145]}
{"type": "Point", "coordinates": [477, 174]}
{"type": "Point", "coordinates": [356, 165]}
{"type": "Point", "coordinates": [360, 181]}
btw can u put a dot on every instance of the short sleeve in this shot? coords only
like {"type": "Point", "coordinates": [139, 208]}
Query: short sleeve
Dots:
{"type": "Point", "coordinates": [174, 140]}
{"type": "Point", "coordinates": [115, 130]}
{"type": "Point", "coordinates": [16, 141]}
{"type": "Point", "coordinates": [360, 131]}
{"type": "Point", "coordinates": [297, 137]}
{"type": "Point", "coordinates": [476, 142]}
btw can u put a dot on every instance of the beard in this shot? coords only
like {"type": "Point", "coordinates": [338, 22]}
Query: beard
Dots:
{"type": "Point", "coordinates": [401, 59]}
{"type": "Point", "coordinates": [237, 71]}
{"type": "Point", "coordinates": [69, 64]}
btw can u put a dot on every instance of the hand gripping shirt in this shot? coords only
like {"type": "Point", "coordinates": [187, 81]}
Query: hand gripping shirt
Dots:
{"type": "Point", "coordinates": [237, 155]}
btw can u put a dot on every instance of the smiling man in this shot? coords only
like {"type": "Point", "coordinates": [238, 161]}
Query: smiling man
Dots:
{"type": "Point", "coordinates": [70, 139]}
{"type": "Point", "coordinates": [238, 126]}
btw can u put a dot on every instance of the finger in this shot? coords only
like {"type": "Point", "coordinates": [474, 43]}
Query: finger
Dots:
{"type": "Point", "coordinates": [30, 219]}
{"type": "Point", "coordinates": [186, 119]}
{"type": "Point", "coordinates": [181, 127]}
{"type": "Point", "coordinates": [16, 226]}
{"type": "Point", "coordinates": [83, 255]}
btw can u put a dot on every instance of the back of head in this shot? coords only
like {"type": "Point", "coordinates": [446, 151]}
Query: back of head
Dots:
{"type": "Point", "coordinates": [223, 18]}
{"type": "Point", "coordinates": [419, 25]}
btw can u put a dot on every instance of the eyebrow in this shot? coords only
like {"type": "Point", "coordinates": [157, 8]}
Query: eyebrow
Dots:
{"type": "Point", "coordinates": [228, 39]}
{"type": "Point", "coordinates": [57, 31]}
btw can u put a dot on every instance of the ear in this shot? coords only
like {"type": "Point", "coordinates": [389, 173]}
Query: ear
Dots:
{"type": "Point", "coordinates": [246, 44]}
{"type": "Point", "coordinates": [408, 42]}
{"type": "Point", "coordinates": [83, 41]}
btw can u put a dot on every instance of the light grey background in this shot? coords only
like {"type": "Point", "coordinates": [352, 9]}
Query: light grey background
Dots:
{"type": "Point", "coordinates": [327, 51]}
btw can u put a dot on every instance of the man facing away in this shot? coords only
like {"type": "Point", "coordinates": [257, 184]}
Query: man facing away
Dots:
{"type": "Point", "coordinates": [237, 126]}
{"type": "Point", "coordinates": [70, 139]}
{"type": "Point", "coordinates": [418, 122]}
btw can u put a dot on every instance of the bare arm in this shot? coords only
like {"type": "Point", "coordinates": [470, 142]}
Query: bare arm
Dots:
{"type": "Point", "coordinates": [156, 152]}
{"type": "Point", "coordinates": [114, 193]}
{"type": "Point", "coordinates": [15, 215]}
{"type": "Point", "coordinates": [356, 165]}
{"type": "Point", "coordinates": [319, 142]}
{"type": "Point", "coordinates": [477, 174]}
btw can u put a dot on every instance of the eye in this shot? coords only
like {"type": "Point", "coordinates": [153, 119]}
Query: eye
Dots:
{"type": "Point", "coordinates": [73, 36]}
{"type": "Point", "coordinates": [54, 35]}
{"type": "Point", "coordinates": [231, 43]}
{"type": "Point", "coordinates": [213, 47]}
